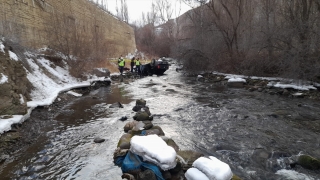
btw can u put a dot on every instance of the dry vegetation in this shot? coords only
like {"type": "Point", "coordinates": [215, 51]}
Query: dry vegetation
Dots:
{"type": "Point", "coordinates": [252, 37]}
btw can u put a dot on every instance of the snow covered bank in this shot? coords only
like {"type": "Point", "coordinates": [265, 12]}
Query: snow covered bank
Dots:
{"type": "Point", "coordinates": [48, 81]}
{"type": "Point", "coordinates": [276, 82]}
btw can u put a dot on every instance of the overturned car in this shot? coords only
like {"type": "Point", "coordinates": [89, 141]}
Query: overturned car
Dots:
{"type": "Point", "coordinates": [157, 67]}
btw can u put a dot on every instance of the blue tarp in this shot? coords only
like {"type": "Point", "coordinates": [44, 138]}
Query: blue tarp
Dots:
{"type": "Point", "coordinates": [133, 162]}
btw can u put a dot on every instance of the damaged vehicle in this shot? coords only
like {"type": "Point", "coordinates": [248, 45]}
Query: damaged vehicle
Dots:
{"type": "Point", "coordinates": [157, 67]}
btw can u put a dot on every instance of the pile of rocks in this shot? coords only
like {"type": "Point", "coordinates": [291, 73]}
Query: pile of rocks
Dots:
{"type": "Point", "coordinates": [138, 163]}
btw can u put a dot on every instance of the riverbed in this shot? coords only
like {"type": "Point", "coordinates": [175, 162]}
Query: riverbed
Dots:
{"type": "Point", "coordinates": [254, 132]}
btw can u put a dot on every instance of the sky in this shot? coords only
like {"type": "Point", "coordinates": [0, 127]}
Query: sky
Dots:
{"type": "Point", "coordinates": [136, 7]}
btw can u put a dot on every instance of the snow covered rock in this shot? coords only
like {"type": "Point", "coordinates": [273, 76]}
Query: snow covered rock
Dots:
{"type": "Point", "coordinates": [195, 174]}
{"type": "Point", "coordinates": [211, 167]}
{"type": "Point", "coordinates": [236, 82]}
{"type": "Point", "coordinates": [154, 149]}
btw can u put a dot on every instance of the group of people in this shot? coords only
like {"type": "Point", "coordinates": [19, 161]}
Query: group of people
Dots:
{"type": "Point", "coordinates": [134, 62]}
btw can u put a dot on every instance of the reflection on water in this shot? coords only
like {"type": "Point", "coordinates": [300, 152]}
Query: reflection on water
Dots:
{"type": "Point", "coordinates": [62, 151]}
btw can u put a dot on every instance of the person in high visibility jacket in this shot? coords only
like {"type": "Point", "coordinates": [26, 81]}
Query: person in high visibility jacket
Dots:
{"type": "Point", "coordinates": [138, 65]}
{"type": "Point", "coordinates": [121, 64]}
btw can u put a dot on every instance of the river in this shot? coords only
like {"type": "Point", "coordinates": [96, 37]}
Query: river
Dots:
{"type": "Point", "coordinates": [253, 132]}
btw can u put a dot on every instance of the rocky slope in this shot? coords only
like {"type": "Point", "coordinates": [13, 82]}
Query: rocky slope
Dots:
{"type": "Point", "coordinates": [14, 90]}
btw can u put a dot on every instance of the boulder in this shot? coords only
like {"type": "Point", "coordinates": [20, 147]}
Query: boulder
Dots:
{"type": "Point", "coordinates": [187, 157]}
{"type": "Point", "coordinates": [119, 153]}
{"type": "Point", "coordinates": [137, 108]}
{"type": "Point", "coordinates": [124, 142]}
{"type": "Point", "coordinates": [171, 143]}
{"type": "Point", "coordinates": [147, 125]}
{"type": "Point", "coordinates": [142, 109]}
{"type": "Point", "coordinates": [129, 126]}
{"type": "Point", "coordinates": [141, 102]}
{"type": "Point", "coordinates": [309, 162]}
{"type": "Point", "coordinates": [235, 177]}
{"type": "Point", "coordinates": [128, 176]}
{"type": "Point", "coordinates": [146, 175]}
{"type": "Point", "coordinates": [161, 133]}
{"type": "Point", "coordinates": [98, 140]}
{"type": "Point", "coordinates": [152, 131]}
{"type": "Point", "coordinates": [123, 118]}
{"type": "Point", "coordinates": [116, 105]}
{"type": "Point", "coordinates": [141, 116]}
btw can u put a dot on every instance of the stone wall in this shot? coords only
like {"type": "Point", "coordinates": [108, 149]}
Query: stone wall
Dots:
{"type": "Point", "coordinates": [30, 22]}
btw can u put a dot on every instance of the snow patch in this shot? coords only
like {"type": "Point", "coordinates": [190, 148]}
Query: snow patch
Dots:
{"type": "Point", "coordinates": [74, 93]}
{"type": "Point", "coordinates": [237, 80]}
{"type": "Point", "coordinates": [3, 79]}
{"type": "Point", "coordinates": [5, 124]}
{"type": "Point", "coordinates": [21, 99]}
{"type": "Point", "coordinates": [195, 174]}
{"type": "Point", "coordinates": [45, 89]}
{"type": "Point", "coordinates": [293, 86]}
{"type": "Point", "coordinates": [13, 56]}
{"type": "Point", "coordinates": [1, 47]}
{"type": "Point", "coordinates": [213, 168]}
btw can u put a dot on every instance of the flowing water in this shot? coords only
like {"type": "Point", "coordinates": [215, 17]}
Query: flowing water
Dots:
{"type": "Point", "coordinates": [253, 132]}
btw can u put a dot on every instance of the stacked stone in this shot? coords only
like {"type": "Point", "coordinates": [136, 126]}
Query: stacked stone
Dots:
{"type": "Point", "coordinates": [142, 125]}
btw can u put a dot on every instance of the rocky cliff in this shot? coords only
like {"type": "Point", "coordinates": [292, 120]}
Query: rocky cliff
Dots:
{"type": "Point", "coordinates": [38, 23]}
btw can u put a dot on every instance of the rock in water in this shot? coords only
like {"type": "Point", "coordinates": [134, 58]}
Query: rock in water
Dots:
{"type": "Point", "coordinates": [141, 102]}
{"type": "Point", "coordinates": [123, 118]}
{"type": "Point", "coordinates": [309, 162]}
{"type": "Point", "coordinates": [98, 140]}
{"type": "Point", "coordinates": [116, 105]}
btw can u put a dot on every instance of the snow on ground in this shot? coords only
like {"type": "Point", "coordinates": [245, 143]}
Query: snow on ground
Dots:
{"type": "Point", "coordinates": [3, 79]}
{"type": "Point", "coordinates": [1, 47]}
{"type": "Point", "coordinates": [74, 93]}
{"type": "Point", "coordinates": [46, 89]}
{"type": "Point", "coordinates": [274, 81]}
{"type": "Point", "coordinates": [237, 80]}
{"type": "Point", "coordinates": [13, 56]}
{"type": "Point", "coordinates": [293, 86]}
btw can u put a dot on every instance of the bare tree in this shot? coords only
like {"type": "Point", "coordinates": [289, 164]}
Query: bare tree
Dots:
{"type": "Point", "coordinates": [122, 11]}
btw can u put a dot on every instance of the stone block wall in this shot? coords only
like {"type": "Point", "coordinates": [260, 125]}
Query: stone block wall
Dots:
{"type": "Point", "coordinates": [29, 22]}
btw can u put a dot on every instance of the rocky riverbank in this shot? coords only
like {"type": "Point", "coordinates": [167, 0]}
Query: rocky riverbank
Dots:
{"type": "Point", "coordinates": [261, 85]}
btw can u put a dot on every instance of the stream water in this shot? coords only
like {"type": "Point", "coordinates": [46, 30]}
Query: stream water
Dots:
{"type": "Point", "coordinates": [253, 132]}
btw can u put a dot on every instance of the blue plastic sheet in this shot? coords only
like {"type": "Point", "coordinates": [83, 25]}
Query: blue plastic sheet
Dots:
{"type": "Point", "coordinates": [133, 162]}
